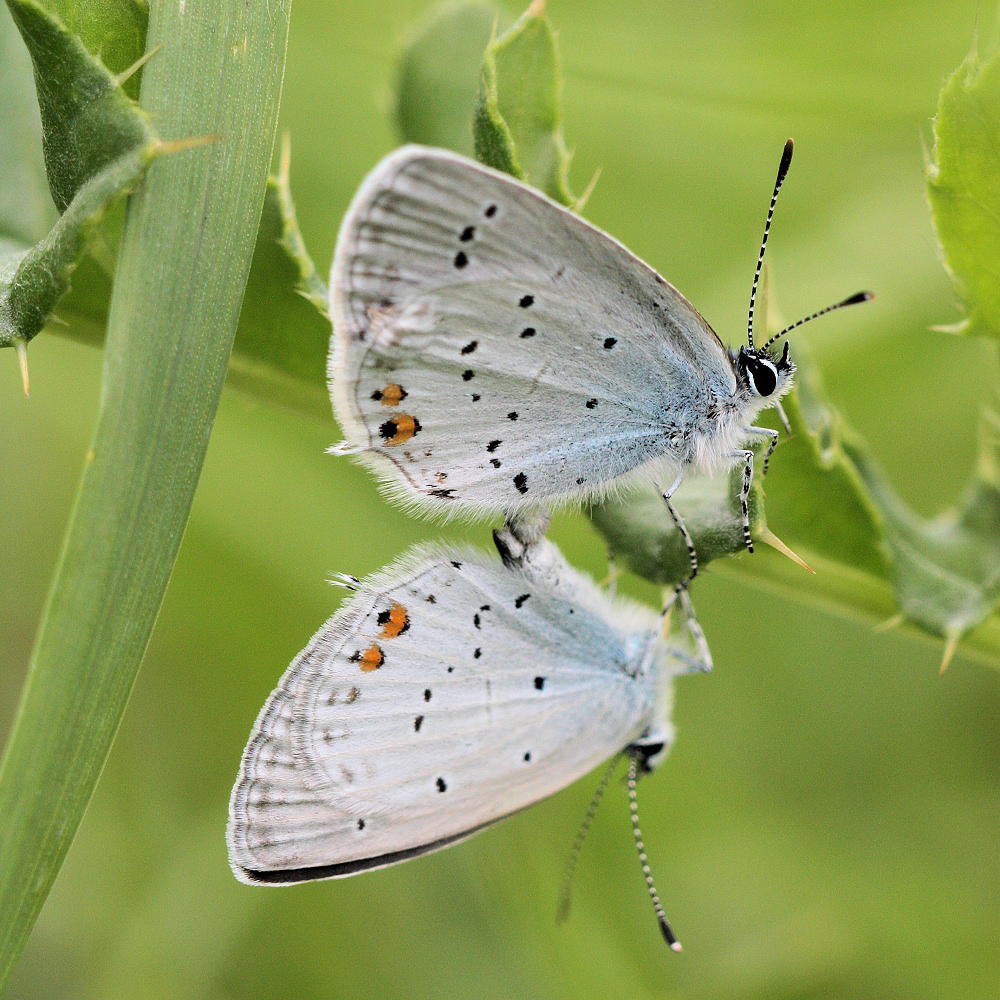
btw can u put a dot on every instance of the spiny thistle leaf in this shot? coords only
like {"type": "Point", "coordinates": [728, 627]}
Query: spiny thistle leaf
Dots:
{"type": "Point", "coordinates": [97, 145]}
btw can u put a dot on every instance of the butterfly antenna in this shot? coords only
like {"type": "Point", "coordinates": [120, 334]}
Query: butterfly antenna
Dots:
{"type": "Point", "coordinates": [852, 301]}
{"type": "Point", "coordinates": [562, 910]}
{"type": "Point", "coordinates": [786, 159]}
{"type": "Point", "coordinates": [668, 934]}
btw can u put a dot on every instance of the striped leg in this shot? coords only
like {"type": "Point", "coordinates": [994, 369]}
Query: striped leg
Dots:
{"type": "Point", "coordinates": [747, 457]}
{"type": "Point", "coordinates": [764, 432]}
{"type": "Point", "coordinates": [779, 409]}
{"type": "Point", "coordinates": [681, 526]}
{"type": "Point", "coordinates": [702, 663]}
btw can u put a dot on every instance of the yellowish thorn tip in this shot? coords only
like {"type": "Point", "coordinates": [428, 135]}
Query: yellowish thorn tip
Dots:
{"type": "Point", "coordinates": [162, 148]}
{"type": "Point", "coordinates": [892, 622]}
{"type": "Point", "coordinates": [949, 651]}
{"type": "Point", "coordinates": [581, 202]}
{"type": "Point", "coordinates": [137, 65]}
{"type": "Point", "coordinates": [676, 946]}
{"type": "Point", "coordinates": [22, 359]}
{"type": "Point", "coordinates": [537, 8]}
{"type": "Point", "coordinates": [770, 538]}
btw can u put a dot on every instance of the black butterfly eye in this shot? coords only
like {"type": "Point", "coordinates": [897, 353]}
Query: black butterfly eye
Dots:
{"type": "Point", "coordinates": [763, 377]}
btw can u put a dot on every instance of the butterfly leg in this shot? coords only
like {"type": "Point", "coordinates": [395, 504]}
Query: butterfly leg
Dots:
{"type": "Point", "coordinates": [747, 457]}
{"type": "Point", "coordinates": [780, 410]}
{"type": "Point", "coordinates": [702, 663]}
{"type": "Point", "coordinates": [771, 435]}
{"type": "Point", "coordinates": [681, 526]}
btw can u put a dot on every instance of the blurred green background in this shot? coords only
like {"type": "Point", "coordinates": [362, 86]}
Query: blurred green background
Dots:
{"type": "Point", "coordinates": [827, 824]}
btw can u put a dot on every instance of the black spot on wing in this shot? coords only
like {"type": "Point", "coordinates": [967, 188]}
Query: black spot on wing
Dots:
{"type": "Point", "coordinates": [467, 234]}
{"type": "Point", "coordinates": [461, 259]}
{"type": "Point", "coordinates": [591, 404]}
{"type": "Point", "coordinates": [470, 347]}
{"type": "Point", "coordinates": [521, 482]}
{"type": "Point", "coordinates": [539, 683]}
{"type": "Point", "coordinates": [528, 331]}
{"type": "Point", "coordinates": [520, 600]}
{"type": "Point", "coordinates": [477, 653]}
{"type": "Point", "coordinates": [493, 445]}
{"type": "Point", "coordinates": [427, 694]}
{"type": "Point", "coordinates": [609, 342]}
{"type": "Point", "coordinates": [491, 210]}
{"type": "Point", "coordinates": [526, 301]}
{"type": "Point", "coordinates": [512, 415]}
{"type": "Point", "coordinates": [467, 374]}
{"type": "Point", "coordinates": [495, 462]}
{"type": "Point", "coordinates": [417, 723]}
{"type": "Point", "coordinates": [441, 786]}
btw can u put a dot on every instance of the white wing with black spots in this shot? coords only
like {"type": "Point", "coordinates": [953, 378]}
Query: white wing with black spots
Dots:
{"type": "Point", "coordinates": [479, 366]}
{"type": "Point", "coordinates": [449, 692]}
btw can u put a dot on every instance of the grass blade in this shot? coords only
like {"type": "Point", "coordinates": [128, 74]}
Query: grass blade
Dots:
{"type": "Point", "coordinates": [185, 254]}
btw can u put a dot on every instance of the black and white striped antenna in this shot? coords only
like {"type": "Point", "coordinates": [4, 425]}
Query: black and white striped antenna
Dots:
{"type": "Point", "coordinates": [786, 159]}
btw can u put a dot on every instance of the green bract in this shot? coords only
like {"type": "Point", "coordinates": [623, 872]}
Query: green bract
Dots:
{"type": "Point", "coordinates": [963, 187]}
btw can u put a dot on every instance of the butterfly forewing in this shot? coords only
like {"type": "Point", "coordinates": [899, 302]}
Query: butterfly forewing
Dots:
{"type": "Point", "coordinates": [450, 692]}
{"type": "Point", "coordinates": [493, 349]}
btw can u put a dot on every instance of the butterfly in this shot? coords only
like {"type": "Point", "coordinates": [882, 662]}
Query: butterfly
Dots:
{"type": "Point", "coordinates": [492, 350]}
{"type": "Point", "coordinates": [449, 692]}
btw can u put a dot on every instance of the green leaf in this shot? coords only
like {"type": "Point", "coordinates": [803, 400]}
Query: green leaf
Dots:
{"type": "Point", "coordinates": [439, 73]}
{"type": "Point", "coordinates": [518, 122]}
{"type": "Point", "coordinates": [963, 187]}
{"type": "Point", "coordinates": [114, 31]}
{"type": "Point", "coordinates": [284, 333]}
{"type": "Point", "coordinates": [87, 119]}
{"type": "Point", "coordinates": [185, 255]}
{"type": "Point", "coordinates": [946, 570]}
{"type": "Point", "coordinates": [640, 532]}
{"type": "Point", "coordinates": [281, 345]}
{"type": "Point", "coordinates": [97, 145]}
{"type": "Point", "coordinates": [26, 210]}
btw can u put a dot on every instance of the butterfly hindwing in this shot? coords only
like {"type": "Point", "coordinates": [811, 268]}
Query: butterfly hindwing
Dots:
{"type": "Point", "coordinates": [493, 349]}
{"type": "Point", "coordinates": [448, 693]}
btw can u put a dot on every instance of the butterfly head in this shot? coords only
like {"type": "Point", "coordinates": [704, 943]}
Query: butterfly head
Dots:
{"type": "Point", "coordinates": [763, 375]}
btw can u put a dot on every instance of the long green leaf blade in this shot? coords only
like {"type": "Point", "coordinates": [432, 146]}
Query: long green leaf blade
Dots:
{"type": "Point", "coordinates": [184, 260]}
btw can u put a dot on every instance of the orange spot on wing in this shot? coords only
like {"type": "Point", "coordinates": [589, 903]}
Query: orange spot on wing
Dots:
{"type": "Point", "coordinates": [371, 659]}
{"type": "Point", "coordinates": [399, 428]}
{"type": "Point", "coordinates": [397, 621]}
{"type": "Point", "coordinates": [393, 395]}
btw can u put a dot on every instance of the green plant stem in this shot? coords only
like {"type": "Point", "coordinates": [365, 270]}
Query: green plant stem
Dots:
{"type": "Point", "coordinates": [185, 255]}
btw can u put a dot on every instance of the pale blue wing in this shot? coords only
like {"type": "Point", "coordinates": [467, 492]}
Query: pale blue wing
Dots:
{"type": "Point", "coordinates": [493, 349]}
{"type": "Point", "coordinates": [448, 693]}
